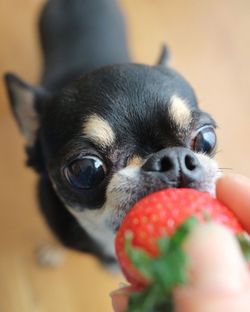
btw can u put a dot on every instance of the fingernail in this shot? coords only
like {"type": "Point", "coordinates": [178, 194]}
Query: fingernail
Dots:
{"type": "Point", "coordinates": [122, 289]}
{"type": "Point", "coordinates": [216, 260]}
{"type": "Point", "coordinates": [120, 297]}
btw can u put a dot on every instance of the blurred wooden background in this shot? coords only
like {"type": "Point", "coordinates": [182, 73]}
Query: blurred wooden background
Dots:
{"type": "Point", "coordinates": [210, 45]}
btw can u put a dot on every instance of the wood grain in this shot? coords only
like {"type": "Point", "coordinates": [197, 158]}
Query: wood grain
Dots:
{"type": "Point", "coordinates": [210, 45]}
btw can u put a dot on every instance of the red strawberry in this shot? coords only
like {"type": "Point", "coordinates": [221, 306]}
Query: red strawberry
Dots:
{"type": "Point", "coordinates": [158, 215]}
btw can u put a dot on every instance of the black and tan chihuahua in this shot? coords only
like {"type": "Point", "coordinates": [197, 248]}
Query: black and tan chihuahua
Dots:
{"type": "Point", "coordinates": [103, 132]}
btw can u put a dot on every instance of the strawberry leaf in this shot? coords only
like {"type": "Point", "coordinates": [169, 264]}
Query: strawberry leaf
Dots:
{"type": "Point", "coordinates": [164, 272]}
{"type": "Point", "coordinates": [140, 259]}
{"type": "Point", "coordinates": [163, 244]}
{"type": "Point", "coordinates": [182, 231]}
{"type": "Point", "coordinates": [244, 242]}
{"type": "Point", "coordinates": [171, 270]}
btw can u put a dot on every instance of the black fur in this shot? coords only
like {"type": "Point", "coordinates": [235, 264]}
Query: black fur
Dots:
{"type": "Point", "coordinates": [78, 36]}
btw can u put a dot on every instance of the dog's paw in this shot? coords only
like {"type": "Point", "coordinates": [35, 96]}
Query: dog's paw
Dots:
{"type": "Point", "coordinates": [50, 256]}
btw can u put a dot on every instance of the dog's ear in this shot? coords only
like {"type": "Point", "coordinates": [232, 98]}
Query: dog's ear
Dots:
{"type": "Point", "coordinates": [164, 56]}
{"type": "Point", "coordinates": [26, 101]}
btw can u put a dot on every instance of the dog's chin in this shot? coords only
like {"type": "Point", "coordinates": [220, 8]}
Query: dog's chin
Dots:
{"type": "Point", "coordinates": [124, 208]}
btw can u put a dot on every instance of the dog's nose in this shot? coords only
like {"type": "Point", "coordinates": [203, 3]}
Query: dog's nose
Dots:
{"type": "Point", "coordinates": [179, 165]}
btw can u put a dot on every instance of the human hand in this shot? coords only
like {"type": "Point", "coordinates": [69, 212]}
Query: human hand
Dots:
{"type": "Point", "coordinates": [219, 276]}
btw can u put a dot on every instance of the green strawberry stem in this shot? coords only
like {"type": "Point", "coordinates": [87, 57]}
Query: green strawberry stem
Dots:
{"type": "Point", "coordinates": [163, 273]}
{"type": "Point", "coordinates": [152, 299]}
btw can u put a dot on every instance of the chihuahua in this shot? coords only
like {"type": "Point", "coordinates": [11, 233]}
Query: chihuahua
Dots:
{"type": "Point", "coordinates": [103, 132]}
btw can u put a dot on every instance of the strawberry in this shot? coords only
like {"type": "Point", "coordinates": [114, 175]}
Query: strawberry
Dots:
{"type": "Point", "coordinates": [149, 243]}
{"type": "Point", "coordinates": [158, 215]}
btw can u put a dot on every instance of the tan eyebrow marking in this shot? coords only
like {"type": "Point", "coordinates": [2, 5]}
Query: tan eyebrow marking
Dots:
{"type": "Point", "coordinates": [179, 111]}
{"type": "Point", "coordinates": [135, 161]}
{"type": "Point", "coordinates": [99, 130]}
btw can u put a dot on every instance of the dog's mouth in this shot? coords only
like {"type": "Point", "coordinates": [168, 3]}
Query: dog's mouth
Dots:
{"type": "Point", "coordinates": [124, 207]}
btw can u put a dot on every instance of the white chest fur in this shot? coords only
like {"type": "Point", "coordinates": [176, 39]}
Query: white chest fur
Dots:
{"type": "Point", "coordinates": [95, 224]}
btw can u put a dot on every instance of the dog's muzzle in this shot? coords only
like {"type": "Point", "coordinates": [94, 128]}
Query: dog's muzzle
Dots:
{"type": "Point", "coordinates": [178, 165]}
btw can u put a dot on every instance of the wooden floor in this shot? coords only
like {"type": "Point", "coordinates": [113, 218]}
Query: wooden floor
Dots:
{"type": "Point", "coordinates": [210, 44]}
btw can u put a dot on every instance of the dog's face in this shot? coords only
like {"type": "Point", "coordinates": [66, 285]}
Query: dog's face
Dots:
{"type": "Point", "coordinates": [116, 135]}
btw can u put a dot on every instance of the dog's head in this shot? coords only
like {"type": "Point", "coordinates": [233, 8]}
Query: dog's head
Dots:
{"type": "Point", "coordinates": [114, 136]}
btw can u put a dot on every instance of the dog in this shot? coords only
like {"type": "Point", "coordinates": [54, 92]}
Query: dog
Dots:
{"type": "Point", "coordinates": [103, 132]}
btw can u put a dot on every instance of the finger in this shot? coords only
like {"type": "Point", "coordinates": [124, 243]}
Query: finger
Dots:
{"type": "Point", "coordinates": [234, 192]}
{"type": "Point", "coordinates": [120, 298]}
{"type": "Point", "coordinates": [219, 279]}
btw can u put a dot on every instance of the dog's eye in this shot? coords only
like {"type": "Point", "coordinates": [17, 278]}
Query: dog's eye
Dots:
{"type": "Point", "coordinates": [205, 140]}
{"type": "Point", "coordinates": [85, 173]}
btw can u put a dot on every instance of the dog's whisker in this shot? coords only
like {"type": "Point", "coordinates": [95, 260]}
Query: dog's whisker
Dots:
{"type": "Point", "coordinates": [225, 168]}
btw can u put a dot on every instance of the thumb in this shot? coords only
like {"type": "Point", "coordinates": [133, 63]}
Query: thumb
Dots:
{"type": "Point", "coordinates": [219, 279]}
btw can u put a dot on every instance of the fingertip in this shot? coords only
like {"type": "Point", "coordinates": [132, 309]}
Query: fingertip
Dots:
{"type": "Point", "coordinates": [219, 278]}
{"type": "Point", "coordinates": [214, 252]}
{"type": "Point", "coordinates": [233, 180]}
{"type": "Point", "coordinates": [234, 192]}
